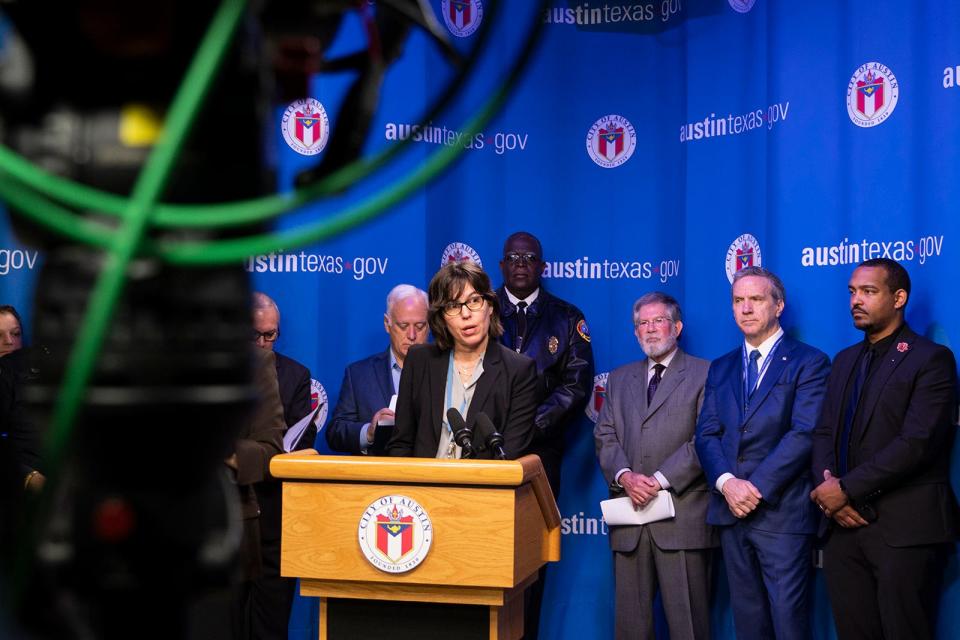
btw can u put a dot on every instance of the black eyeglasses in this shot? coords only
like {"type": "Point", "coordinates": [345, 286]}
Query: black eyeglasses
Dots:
{"type": "Point", "coordinates": [516, 258]}
{"type": "Point", "coordinates": [268, 336]}
{"type": "Point", "coordinates": [474, 303]}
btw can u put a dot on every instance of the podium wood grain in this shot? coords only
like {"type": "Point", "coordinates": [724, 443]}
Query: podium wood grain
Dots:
{"type": "Point", "coordinates": [321, 540]}
{"type": "Point", "coordinates": [495, 523]}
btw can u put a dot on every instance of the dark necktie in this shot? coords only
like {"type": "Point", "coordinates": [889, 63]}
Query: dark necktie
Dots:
{"type": "Point", "coordinates": [753, 372]}
{"type": "Point", "coordinates": [856, 390]}
{"type": "Point", "coordinates": [521, 323]}
{"type": "Point", "coordinates": [654, 382]}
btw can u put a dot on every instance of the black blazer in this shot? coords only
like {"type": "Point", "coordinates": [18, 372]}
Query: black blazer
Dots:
{"type": "Point", "coordinates": [507, 391]}
{"type": "Point", "coordinates": [902, 451]}
{"type": "Point", "coordinates": [294, 379]}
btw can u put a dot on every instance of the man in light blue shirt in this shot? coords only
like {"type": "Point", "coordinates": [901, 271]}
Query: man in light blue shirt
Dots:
{"type": "Point", "coordinates": [369, 384]}
{"type": "Point", "coordinates": [761, 402]}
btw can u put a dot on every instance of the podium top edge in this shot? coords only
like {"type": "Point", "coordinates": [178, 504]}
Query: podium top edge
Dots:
{"type": "Point", "coordinates": [307, 465]}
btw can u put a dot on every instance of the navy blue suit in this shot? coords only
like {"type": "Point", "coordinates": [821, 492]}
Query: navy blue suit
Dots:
{"type": "Point", "coordinates": [366, 388]}
{"type": "Point", "coordinates": [558, 340]}
{"type": "Point", "coordinates": [767, 553]}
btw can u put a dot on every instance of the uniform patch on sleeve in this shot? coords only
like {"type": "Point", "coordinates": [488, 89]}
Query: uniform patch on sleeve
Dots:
{"type": "Point", "coordinates": [583, 330]}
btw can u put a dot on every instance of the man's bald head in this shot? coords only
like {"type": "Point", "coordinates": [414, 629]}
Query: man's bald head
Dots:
{"type": "Point", "coordinates": [524, 236]}
{"type": "Point", "coordinates": [522, 264]}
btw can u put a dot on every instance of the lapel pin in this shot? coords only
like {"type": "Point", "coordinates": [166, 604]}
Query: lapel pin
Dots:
{"type": "Point", "coordinates": [784, 358]}
{"type": "Point", "coordinates": [903, 347]}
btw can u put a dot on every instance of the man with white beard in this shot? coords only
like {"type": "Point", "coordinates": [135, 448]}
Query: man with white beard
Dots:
{"type": "Point", "coordinates": [644, 440]}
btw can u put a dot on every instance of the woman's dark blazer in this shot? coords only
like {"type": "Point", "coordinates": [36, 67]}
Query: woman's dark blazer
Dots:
{"type": "Point", "coordinates": [507, 391]}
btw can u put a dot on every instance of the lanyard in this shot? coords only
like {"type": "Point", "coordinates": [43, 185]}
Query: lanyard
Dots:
{"type": "Point", "coordinates": [448, 400]}
{"type": "Point", "coordinates": [763, 369]}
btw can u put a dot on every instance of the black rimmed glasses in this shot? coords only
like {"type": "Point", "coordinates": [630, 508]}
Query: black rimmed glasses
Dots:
{"type": "Point", "coordinates": [473, 303]}
{"type": "Point", "coordinates": [516, 258]}
{"type": "Point", "coordinates": [268, 336]}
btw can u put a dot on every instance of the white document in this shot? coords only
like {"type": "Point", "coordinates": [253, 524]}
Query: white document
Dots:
{"type": "Point", "coordinates": [389, 422]}
{"type": "Point", "coordinates": [623, 511]}
{"type": "Point", "coordinates": [293, 435]}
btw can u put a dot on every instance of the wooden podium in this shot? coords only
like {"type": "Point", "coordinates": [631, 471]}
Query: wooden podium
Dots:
{"type": "Point", "coordinates": [492, 524]}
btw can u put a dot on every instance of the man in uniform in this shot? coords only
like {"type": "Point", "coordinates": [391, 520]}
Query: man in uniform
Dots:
{"type": "Point", "coordinates": [554, 333]}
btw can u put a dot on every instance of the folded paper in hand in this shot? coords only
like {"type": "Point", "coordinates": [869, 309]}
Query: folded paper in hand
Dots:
{"type": "Point", "coordinates": [623, 511]}
{"type": "Point", "coordinates": [388, 422]}
{"type": "Point", "coordinates": [295, 433]}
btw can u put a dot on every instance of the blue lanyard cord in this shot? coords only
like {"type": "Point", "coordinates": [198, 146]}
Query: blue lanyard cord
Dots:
{"type": "Point", "coordinates": [763, 369]}
{"type": "Point", "coordinates": [451, 371]}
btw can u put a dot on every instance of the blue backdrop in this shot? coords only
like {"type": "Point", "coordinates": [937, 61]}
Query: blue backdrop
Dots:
{"type": "Point", "coordinates": [652, 145]}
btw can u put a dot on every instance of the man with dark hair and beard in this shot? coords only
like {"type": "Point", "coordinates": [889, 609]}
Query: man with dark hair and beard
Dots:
{"type": "Point", "coordinates": [881, 456]}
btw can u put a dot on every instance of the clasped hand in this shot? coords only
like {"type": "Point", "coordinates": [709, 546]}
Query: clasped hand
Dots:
{"type": "Point", "coordinates": [742, 497]}
{"type": "Point", "coordinates": [835, 503]}
{"type": "Point", "coordinates": [641, 489]}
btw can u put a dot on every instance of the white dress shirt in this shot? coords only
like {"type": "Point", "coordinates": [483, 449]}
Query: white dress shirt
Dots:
{"type": "Point", "coordinates": [529, 299]}
{"type": "Point", "coordinates": [765, 348]}
{"type": "Point", "coordinates": [651, 371]}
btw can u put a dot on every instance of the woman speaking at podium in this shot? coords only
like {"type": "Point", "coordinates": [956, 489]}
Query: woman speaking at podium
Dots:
{"type": "Point", "coordinates": [466, 369]}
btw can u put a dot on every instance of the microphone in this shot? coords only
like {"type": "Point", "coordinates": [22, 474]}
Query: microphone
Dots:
{"type": "Point", "coordinates": [462, 434]}
{"type": "Point", "coordinates": [492, 438]}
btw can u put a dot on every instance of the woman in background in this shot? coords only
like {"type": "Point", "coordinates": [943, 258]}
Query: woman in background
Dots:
{"type": "Point", "coordinates": [19, 437]}
{"type": "Point", "coordinates": [11, 332]}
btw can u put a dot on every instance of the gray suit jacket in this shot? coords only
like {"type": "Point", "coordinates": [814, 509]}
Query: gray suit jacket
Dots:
{"type": "Point", "coordinates": [629, 434]}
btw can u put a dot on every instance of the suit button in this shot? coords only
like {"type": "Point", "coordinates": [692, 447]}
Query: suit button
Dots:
{"type": "Point", "coordinates": [740, 459]}
{"type": "Point", "coordinates": [743, 429]}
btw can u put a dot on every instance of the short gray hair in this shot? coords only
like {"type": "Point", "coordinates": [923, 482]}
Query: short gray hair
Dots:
{"type": "Point", "coordinates": [404, 291]}
{"type": "Point", "coordinates": [777, 289]}
{"type": "Point", "coordinates": [263, 301]}
{"type": "Point", "coordinates": [653, 298]}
